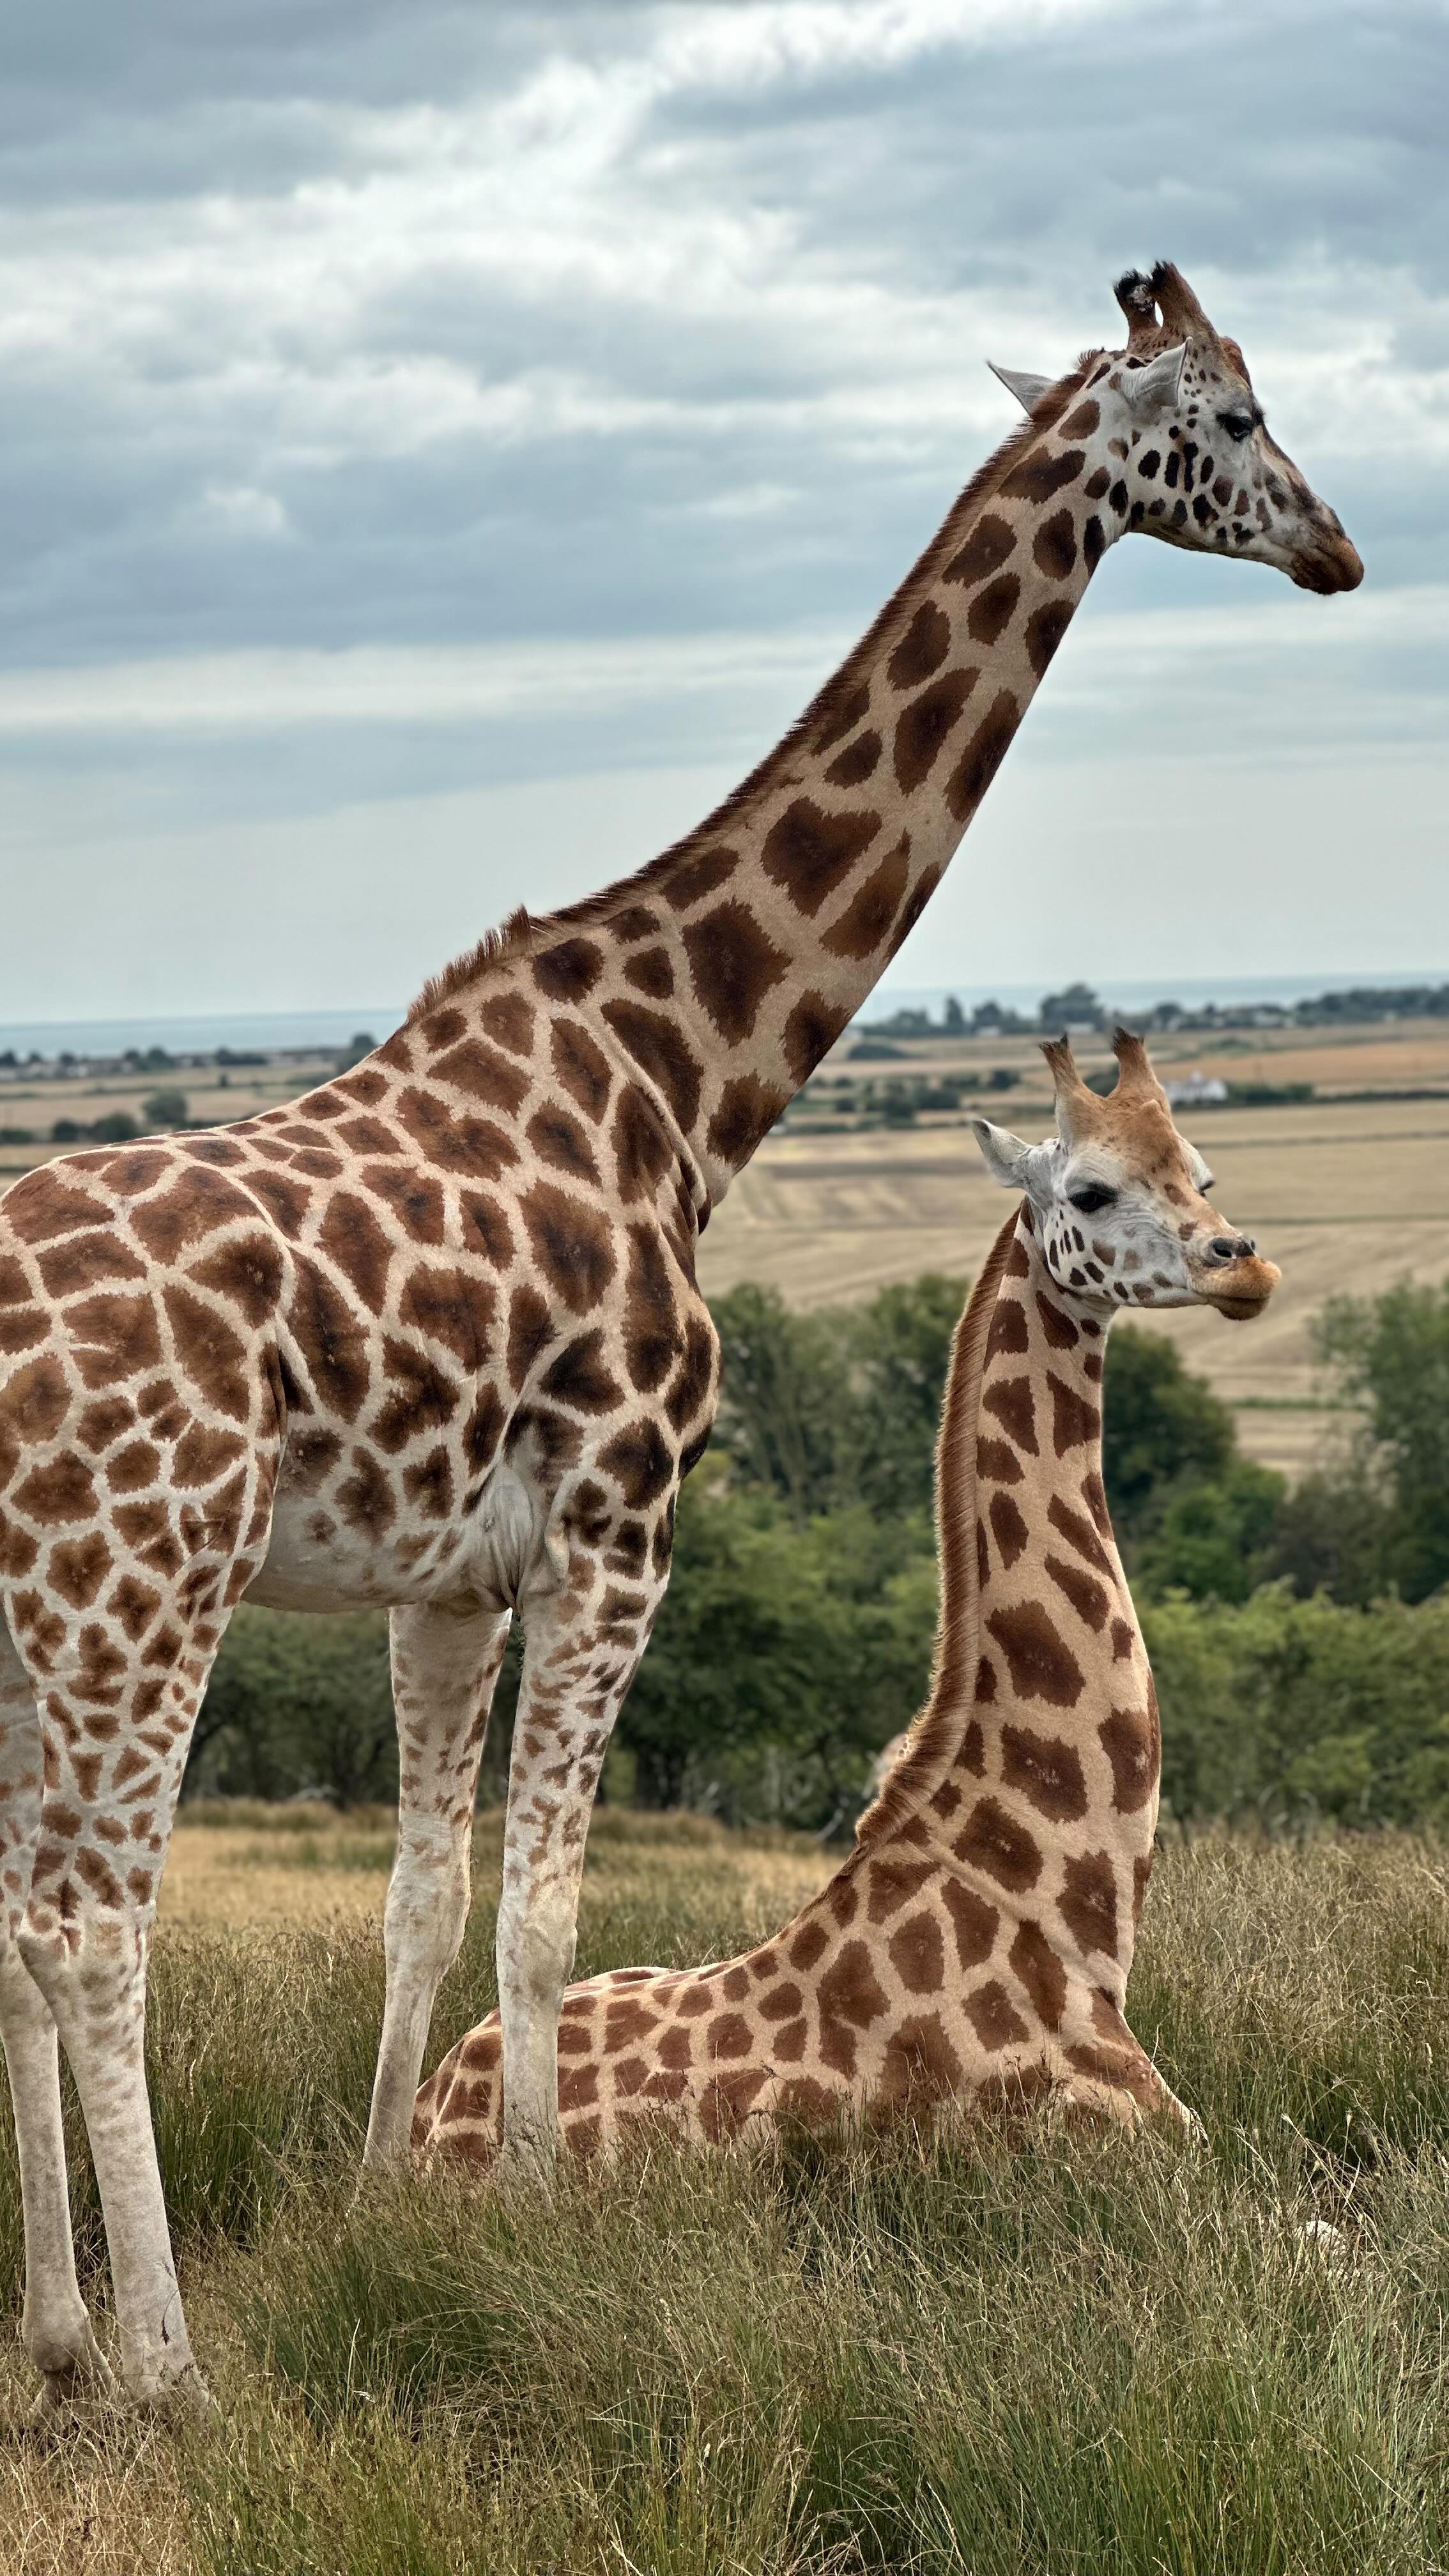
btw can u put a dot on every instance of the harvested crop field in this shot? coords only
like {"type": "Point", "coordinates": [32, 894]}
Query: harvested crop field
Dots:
{"type": "Point", "coordinates": [1346, 1195]}
{"type": "Point", "coordinates": [1024, 2355]}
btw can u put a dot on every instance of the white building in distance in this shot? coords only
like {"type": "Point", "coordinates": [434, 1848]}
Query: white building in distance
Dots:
{"type": "Point", "coordinates": [1196, 1091]}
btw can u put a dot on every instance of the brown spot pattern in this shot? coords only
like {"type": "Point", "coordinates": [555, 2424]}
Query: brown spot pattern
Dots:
{"type": "Point", "coordinates": [808, 852]}
{"type": "Point", "coordinates": [1041, 1665]}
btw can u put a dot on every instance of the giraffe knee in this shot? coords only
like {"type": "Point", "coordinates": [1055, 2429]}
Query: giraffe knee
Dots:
{"type": "Point", "coordinates": [41, 1950]}
{"type": "Point", "coordinates": [428, 1897]}
{"type": "Point", "coordinates": [91, 1971]}
{"type": "Point", "coordinates": [536, 1951]}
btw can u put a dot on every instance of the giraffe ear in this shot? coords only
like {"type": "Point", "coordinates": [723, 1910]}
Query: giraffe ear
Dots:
{"type": "Point", "coordinates": [1027, 389]}
{"type": "Point", "coordinates": [1153, 389]}
{"type": "Point", "coordinates": [1004, 1155]}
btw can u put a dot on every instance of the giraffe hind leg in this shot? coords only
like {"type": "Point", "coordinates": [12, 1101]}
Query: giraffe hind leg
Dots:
{"type": "Point", "coordinates": [444, 1668]}
{"type": "Point", "coordinates": [86, 1940]}
{"type": "Point", "coordinates": [55, 2328]}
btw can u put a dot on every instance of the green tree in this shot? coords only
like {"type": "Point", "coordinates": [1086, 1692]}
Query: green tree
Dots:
{"type": "Point", "coordinates": [780, 1395]}
{"type": "Point", "coordinates": [1076, 1005]}
{"type": "Point", "coordinates": [166, 1109]}
{"type": "Point", "coordinates": [840, 1406]}
{"type": "Point", "coordinates": [1390, 1354]}
{"type": "Point", "coordinates": [361, 1043]}
{"type": "Point", "coordinates": [1163, 1429]}
{"type": "Point", "coordinates": [1290, 1709]}
{"type": "Point", "coordinates": [1329, 1535]}
{"type": "Point", "coordinates": [897, 1351]}
{"type": "Point", "coordinates": [1214, 1539]}
{"type": "Point", "coordinates": [113, 1127]}
{"type": "Point", "coordinates": [299, 1703]}
{"type": "Point", "coordinates": [782, 1659]}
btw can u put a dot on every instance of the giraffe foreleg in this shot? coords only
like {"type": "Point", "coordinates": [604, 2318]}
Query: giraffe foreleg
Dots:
{"type": "Point", "coordinates": [55, 2328]}
{"type": "Point", "coordinates": [583, 1648]}
{"type": "Point", "coordinates": [444, 1668]}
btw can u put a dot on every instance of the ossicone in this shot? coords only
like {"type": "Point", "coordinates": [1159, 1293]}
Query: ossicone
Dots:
{"type": "Point", "coordinates": [1062, 1063]}
{"type": "Point", "coordinates": [1161, 301]}
{"type": "Point", "coordinates": [1134, 1067]}
{"type": "Point", "coordinates": [1072, 1094]}
{"type": "Point", "coordinates": [1134, 293]}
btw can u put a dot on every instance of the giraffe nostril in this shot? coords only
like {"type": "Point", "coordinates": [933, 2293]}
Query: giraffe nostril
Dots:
{"type": "Point", "coordinates": [1231, 1247]}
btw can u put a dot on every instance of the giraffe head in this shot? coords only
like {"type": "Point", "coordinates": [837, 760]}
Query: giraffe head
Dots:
{"type": "Point", "coordinates": [1185, 452]}
{"type": "Point", "coordinates": [1118, 1197]}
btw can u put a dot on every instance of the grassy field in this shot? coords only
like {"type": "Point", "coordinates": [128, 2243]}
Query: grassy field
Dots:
{"type": "Point", "coordinates": [1046, 2356]}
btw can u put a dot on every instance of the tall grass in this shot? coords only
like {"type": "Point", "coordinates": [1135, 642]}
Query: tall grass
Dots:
{"type": "Point", "coordinates": [931, 2350]}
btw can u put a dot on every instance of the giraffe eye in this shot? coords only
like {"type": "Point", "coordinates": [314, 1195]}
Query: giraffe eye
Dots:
{"type": "Point", "coordinates": [1092, 1196]}
{"type": "Point", "coordinates": [1238, 424]}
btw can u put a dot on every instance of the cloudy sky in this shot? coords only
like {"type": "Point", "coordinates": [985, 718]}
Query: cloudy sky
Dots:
{"type": "Point", "coordinates": [440, 446]}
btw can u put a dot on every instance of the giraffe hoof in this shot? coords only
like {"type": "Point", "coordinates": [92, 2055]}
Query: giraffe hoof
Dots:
{"type": "Point", "coordinates": [184, 2399]}
{"type": "Point", "coordinates": [78, 2389]}
{"type": "Point", "coordinates": [191, 2397]}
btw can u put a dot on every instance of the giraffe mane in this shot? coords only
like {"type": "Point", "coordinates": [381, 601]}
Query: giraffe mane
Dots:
{"type": "Point", "coordinates": [934, 1734]}
{"type": "Point", "coordinates": [512, 938]}
{"type": "Point", "coordinates": [523, 934]}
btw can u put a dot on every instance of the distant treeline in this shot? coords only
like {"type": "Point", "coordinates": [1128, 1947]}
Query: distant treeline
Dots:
{"type": "Point", "coordinates": [66, 1065]}
{"type": "Point", "coordinates": [166, 1108]}
{"type": "Point", "coordinates": [1078, 1006]}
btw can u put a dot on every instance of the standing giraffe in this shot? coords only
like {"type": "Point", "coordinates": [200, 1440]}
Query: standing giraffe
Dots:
{"type": "Point", "coordinates": [431, 1337]}
{"type": "Point", "coordinates": [978, 1940]}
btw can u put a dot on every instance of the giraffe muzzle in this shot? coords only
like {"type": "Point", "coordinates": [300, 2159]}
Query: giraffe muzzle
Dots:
{"type": "Point", "coordinates": [1331, 564]}
{"type": "Point", "coordinates": [1229, 1274]}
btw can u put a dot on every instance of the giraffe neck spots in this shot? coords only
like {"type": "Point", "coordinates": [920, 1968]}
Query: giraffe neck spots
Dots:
{"type": "Point", "coordinates": [727, 968]}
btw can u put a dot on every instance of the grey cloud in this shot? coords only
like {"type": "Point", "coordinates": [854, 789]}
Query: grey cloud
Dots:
{"type": "Point", "coordinates": [596, 411]}
{"type": "Point", "coordinates": [1004, 176]}
{"type": "Point", "coordinates": [167, 95]}
{"type": "Point", "coordinates": [327, 323]}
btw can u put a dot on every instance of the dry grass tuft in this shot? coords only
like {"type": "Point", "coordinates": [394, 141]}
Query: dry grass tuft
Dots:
{"type": "Point", "coordinates": [918, 2353]}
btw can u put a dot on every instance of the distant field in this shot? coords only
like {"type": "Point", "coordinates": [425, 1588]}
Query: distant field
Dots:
{"type": "Point", "coordinates": [1389, 1055]}
{"type": "Point", "coordinates": [236, 1865]}
{"type": "Point", "coordinates": [1344, 1194]}
{"type": "Point", "coordinates": [211, 1101]}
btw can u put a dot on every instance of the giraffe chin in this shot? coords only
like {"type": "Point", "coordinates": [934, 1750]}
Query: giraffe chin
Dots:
{"type": "Point", "coordinates": [1241, 1291]}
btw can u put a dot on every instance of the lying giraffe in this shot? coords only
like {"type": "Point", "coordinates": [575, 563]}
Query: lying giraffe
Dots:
{"type": "Point", "coordinates": [978, 1940]}
{"type": "Point", "coordinates": [431, 1337]}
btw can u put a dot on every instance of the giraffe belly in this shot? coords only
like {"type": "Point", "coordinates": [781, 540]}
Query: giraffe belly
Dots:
{"type": "Point", "coordinates": [317, 1560]}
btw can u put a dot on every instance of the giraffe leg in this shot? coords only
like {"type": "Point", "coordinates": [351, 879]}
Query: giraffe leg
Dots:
{"type": "Point", "coordinates": [86, 1940]}
{"type": "Point", "coordinates": [55, 2328]}
{"type": "Point", "coordinates": [578, 1664]}
{"type": "Point", "coordinates": [444, 1667]}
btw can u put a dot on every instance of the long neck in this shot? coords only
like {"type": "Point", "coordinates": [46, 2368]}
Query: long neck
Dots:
{"type": "Point", "coordinates": [1042, 1693]}
{"type": "Point", "coordinates": [729, 965]}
